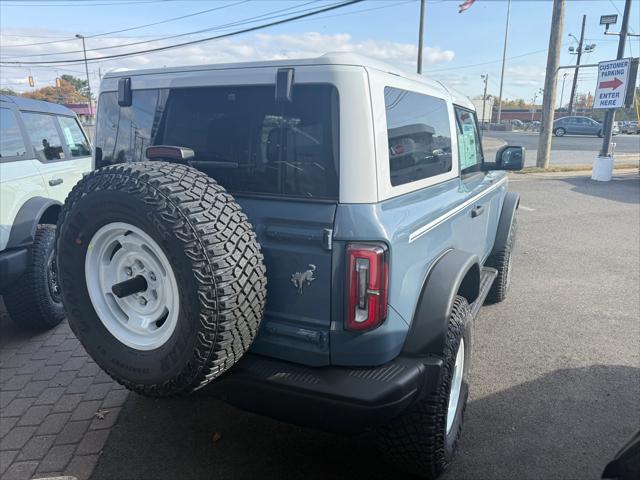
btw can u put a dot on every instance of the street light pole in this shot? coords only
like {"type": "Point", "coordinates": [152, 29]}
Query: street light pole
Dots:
{"type": "Point", "coordinates": [420, 35]}
{"type": "Point", "coordinates": [575, 75]}
{"type": "Point", "coordinates": [86, 69]}
{"type": "Point", "coordinates": [484, 100]}
{"type": "Point", "coordinates": [504, 55]}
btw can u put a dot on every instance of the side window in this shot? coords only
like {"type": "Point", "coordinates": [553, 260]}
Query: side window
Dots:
{"type": "Point", "coordinates": [76, 142]}
{"type": "Point", "coordinates": [11, 141]}
{"type": "Point", "coordinates": [45, 139]}
{"type": "Point", "coordinates": [419, 135]}
{"type": "Point", "coordinates": [469, 147]}
{"type": "Point", "coordinates": [124, 133]}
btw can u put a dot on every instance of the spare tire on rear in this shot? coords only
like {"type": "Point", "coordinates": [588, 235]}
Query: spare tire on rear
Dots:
{"type": "Point", "coordinates": [161, 275]}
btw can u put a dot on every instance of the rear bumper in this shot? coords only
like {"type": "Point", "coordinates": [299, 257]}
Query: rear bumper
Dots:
{"type": "Point", "coordinates": [329, 398]}
{"type": "Point", "coordinates": [13, 263]}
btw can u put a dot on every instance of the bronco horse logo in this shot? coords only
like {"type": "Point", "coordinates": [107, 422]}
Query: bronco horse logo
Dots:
{"type": "Point", "coordinates": [300, 278]}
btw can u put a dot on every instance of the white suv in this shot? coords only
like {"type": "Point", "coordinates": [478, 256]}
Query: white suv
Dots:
{"type": "Point", "coordinates": [43, 154]}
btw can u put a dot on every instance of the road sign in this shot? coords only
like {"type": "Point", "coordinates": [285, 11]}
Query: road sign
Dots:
{"type": "Point", "coordinates": [612, 83]}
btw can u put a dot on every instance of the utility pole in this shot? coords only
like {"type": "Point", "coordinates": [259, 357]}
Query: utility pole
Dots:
{"type": "Point", "coordinates": [86, 69]}
{"type": "Point", "coordinates": [550, 85]}
{"type": "Point", "coordinates": [575, 75]}
{"type": "Point", "coordinates": [420, 36]}
{"type": "Point", "coordinates": [484, 100]}
{"type": "Point", "coordinates": [504, 55]}
{"type": "Point", "coordinates": [607, 126]}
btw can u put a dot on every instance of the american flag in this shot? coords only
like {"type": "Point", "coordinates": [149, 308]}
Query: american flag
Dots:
{"type": "Point", "coordinates": [464, 6]}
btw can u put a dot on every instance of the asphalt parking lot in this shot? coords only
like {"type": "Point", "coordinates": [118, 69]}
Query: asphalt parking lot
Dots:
{"type": "Point", "coordinates": [555, 380]}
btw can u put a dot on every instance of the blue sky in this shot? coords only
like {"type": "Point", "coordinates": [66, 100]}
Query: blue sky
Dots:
{"type": "Point", "coordinates": [386, 29]}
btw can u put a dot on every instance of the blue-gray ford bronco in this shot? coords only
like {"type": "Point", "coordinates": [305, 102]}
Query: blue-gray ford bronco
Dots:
{"type": "Point", "coordinates": [316, 236]}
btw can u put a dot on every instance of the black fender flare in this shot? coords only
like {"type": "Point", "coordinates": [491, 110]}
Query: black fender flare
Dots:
{"type": "Point", "coordinates": [508, 213]}
{"type": "Point", "coordinates": [428, 331]}
{"type": "Point", "coordinates": [27, 219]}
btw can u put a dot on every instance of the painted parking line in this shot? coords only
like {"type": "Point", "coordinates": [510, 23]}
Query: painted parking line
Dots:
{"type": "Point", "coordinates": [526, 209]}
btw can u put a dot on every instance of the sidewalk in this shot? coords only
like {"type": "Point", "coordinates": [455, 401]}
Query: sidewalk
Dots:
{"type": "Point", "coordinates": [56, 406]}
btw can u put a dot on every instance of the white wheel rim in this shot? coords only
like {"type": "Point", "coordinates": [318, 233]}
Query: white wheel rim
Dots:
{"type": "Point", "coordinates": [145, 320]}
{"type": "Point", "coordinates": [456, 386]}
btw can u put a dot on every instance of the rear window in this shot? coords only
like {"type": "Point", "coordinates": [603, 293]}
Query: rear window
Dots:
{"type": "Point", "coordinates": [240, 136]}
{"type": "Point", "coordinates": [11, 141]}
{"type": "Point", "coordinates": [419, 135]}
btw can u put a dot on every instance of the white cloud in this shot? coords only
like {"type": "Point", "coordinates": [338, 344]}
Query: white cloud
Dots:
{"type": "Point", "coordinates": [260, 46]}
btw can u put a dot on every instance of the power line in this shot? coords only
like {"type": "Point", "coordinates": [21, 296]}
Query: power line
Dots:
{"type": "Point", "coordinates": [80, 4]}
{"type": "Point", "coordinates": [192, 42]}
{"type": "Point", "coordinates": [168, 20]}
{"type": "Point", "coordinates": [264, 16]}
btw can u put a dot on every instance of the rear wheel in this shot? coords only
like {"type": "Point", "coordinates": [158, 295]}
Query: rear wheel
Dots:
{"type": "Point", "coordinates": [559, 132]}
{"type": "Point", "coordinates": [423, 440]}
{"type": "Point", "coordinates": [35, 300]}
{"type": "Point", "coordinates": [161, 275]}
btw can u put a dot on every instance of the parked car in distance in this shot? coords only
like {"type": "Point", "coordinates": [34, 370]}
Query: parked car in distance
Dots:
{"type": "Point", "coordinates": [576, 125]}
{"type": "Point", "coordinates": [629, 127]}
{"type": "Point", "coordinates": [43, 154]}
{"type": "Point", "coordinates": [323, 230]}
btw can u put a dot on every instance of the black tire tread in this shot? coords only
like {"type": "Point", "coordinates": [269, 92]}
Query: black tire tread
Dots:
{"type": "Point", "coordinates": [28, 302]}
{"type": "Point", "coordinates": [226, 261]}
{"type": "Point", "coordinates": [415, 440]}
{"type": "Point", "coordinates": [501, 262]}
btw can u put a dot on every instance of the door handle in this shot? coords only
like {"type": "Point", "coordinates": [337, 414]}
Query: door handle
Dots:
{"type": "Point", "coordinates": [55, 181]}
{"type": "Point", "coordinates": [477, 211]}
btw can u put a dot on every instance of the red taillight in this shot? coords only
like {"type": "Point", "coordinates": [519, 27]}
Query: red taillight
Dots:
{"type": "Point", "coordinates": [367, 283]}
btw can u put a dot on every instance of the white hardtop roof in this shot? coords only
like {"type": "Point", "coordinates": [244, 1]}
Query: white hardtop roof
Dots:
{"type": "Point", "coordinates": [337, 58]}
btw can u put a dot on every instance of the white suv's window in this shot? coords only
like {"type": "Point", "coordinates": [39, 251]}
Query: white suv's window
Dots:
{"type": "Point", "coordinates": [77, 143]}
{"type": "Point", "coordinates": [45, 139]}
{"type": "Point", "coordinates": [11, 142]}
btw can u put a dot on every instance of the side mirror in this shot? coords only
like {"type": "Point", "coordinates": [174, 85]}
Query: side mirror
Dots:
{"type": "Point", "coordinates": [169, 152]}
{"type": "Point", "coordinates": [510, 158]}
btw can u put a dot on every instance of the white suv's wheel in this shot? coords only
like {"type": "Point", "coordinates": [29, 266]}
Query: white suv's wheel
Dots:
{"type": "Point", "coordinates": [35, 301]}
{"type": "Point", "coordinates": [161, 275]}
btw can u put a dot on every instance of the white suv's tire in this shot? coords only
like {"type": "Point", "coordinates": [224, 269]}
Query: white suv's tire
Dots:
{"type": "Point", "coordinates": [35, 301]}
{"type": "Point", "coordinates": [161, 275]}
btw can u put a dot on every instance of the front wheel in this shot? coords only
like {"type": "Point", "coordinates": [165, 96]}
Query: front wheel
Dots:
{"type": "Point", "coordinates": [423, 440]}
{"type": "Point", "coordinates": [600, 134]}
{"type": "Point", "coordinates": [559, 132]}
{"type": "Point", "coordinates": [35, 301]}
{"type": "Point", "coordinates": [501, 261]}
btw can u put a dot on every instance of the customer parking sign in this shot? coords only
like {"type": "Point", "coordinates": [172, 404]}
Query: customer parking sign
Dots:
{"type": "Point", "coordinates": [612, 83]}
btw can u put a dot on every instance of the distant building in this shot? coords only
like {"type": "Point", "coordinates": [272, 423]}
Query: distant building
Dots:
{"type": "Point", "coordinates": [85, 114]}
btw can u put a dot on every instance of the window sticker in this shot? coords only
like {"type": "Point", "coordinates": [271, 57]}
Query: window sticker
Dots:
{"type": "Point", "coordinates": [68, 136]}
{"type": "Point", "coordinates": [467, 146]}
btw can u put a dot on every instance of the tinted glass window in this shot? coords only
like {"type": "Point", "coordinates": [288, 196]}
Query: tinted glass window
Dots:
{"type": "Point", "coordinates": [43, 132]}
{"type": "Point", "coordinates": [123, 133]}
{"type": "Point", "coordinates": [469, 147]}
{"type": "Point", "coordinates": [11, 141]}
{"type": "Point", "coordinates": [250, 144]}
{"type": "Point", "coordinates": [419, 135]}
{"type": "Point", "coordinates": [76, 142]}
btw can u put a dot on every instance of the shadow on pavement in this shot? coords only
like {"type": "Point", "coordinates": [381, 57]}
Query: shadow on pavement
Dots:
{"type": "Point", "coordinates": [623, 188]}
{"type": "Point", "coordinates": [566, 424]}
